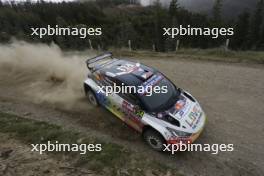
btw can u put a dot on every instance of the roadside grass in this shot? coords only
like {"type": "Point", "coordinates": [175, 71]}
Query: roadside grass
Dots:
{"type": "Point", "coordinates": [230, 55]}
{"type": "Point", "coordinates": [112, 160]}
{"type": "Point", "coordinates": [215, 54]}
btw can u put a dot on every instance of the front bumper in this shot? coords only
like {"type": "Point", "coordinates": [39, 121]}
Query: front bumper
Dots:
{"type": "Point", "coordinates": [189, 139]}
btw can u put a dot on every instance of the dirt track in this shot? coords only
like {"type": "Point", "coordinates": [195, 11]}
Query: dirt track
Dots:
{"type": "Point", "coordinates": [231, 95]}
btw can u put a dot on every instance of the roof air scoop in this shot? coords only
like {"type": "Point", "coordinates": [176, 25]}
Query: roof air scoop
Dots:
{"type": "Point", "coordinates": [142, 74]}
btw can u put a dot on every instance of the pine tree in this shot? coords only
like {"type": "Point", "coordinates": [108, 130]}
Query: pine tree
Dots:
{"type": "Point", "coordinates": [217, 12]}
{"type": "Point", "coordinates": [173, 13]}
{"type": "Point", "coordinates": [159, 22]}
{"type": "Point", "coordinates": [261, 42]}
{"type": "Point", "coordinates": [257, 21]}
{"type": "Point", "coordinates": [242, 31]}
{"type": "Point", "coordinates": [173, 9]}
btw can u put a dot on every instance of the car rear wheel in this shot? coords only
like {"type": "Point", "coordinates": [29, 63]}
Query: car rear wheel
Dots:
{"type": "Point", "coordinates": [92, 98]}
{"type": "Point", "coordinates": [154, 140]}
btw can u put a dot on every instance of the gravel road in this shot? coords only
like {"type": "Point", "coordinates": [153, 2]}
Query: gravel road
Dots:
{"type": "Point", "coordinates": [231, 94]}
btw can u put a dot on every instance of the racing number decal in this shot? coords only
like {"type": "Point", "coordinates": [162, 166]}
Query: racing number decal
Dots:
{"type": "Point", "coordinates": [126, 67]}
{"type": "Point", "coordinates": [193, 116]}
{"type": "Point", "coordinates": [127, 107]}
{"type": "Point", "coordinates": [140, 113]}
{"type": "Point", "coordinates": [132, 115]}
{"type": "Point", "coordinates": [191, 119]}
{"type": "Point", "coordinates": [131, 110]}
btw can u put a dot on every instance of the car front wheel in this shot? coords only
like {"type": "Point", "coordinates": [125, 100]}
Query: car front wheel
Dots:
{"type": "Point", "coordinates": [154, 140]}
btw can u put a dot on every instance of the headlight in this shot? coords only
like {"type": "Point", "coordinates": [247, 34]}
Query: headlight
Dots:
{"type": "Point", "coordinates": [177, 133]}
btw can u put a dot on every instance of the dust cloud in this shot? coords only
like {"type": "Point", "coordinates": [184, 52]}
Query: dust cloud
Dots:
{"type": "Point", "coordinates": [44, 73]}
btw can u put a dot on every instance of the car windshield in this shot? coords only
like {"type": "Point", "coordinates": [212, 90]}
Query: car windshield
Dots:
{"type": "Point", "coordinates": [158, 102]}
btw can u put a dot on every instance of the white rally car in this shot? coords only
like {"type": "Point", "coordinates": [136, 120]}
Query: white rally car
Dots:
{"type": "Point", "coordinates": [162, 118]}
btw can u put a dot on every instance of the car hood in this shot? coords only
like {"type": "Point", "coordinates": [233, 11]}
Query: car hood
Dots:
{"type": "Point", "coordinates": [188, 112]}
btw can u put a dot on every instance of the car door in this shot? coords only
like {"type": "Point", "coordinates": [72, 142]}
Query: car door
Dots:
{"type": "Point", "coordinates": [131, 110]}
{"type": "Point", "coordinates": [124, 106]}
{"type": "Point", "coordinates": [109, 100]}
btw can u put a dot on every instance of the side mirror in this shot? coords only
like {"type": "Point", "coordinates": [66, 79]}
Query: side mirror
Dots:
{"type": "Point", "coordinates": [180, 90]}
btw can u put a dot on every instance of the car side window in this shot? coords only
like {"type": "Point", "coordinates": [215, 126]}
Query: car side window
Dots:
{"type": "Point", "coordinates": [107, 81]}
{"type": "Point", "coordinates": [130, 98]}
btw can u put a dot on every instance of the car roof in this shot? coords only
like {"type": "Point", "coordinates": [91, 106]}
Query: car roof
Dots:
{"type": "Point", "coordinates": [128, 72]}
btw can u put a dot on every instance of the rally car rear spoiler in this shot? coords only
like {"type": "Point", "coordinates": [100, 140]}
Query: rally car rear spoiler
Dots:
{"type": "Point", "coordinates": [99, 61]}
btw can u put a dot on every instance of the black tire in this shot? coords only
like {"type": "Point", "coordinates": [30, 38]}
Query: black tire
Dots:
{"type": "Point", "coordinates": [154, 139]}
{"type": "Point", "coordinates": [92, 97]}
